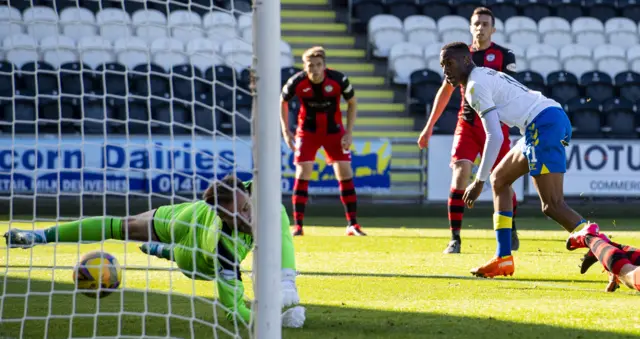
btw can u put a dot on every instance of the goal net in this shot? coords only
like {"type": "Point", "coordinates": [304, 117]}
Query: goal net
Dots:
{"type": "Point", "coordinates": [112, 108]}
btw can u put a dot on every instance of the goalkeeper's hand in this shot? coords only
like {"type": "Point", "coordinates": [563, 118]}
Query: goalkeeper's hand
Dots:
{"type": "Point", "coordinates": [289, 290]}
{"type": "Point", "coordinates": [293, 317]}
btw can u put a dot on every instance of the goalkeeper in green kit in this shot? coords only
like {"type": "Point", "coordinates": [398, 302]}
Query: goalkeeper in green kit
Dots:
{"type": "Point", "coordinates": [203, 229]}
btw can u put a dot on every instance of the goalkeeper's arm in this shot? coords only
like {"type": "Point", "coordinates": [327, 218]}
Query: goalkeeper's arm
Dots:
{"type": "Point", "coordinates": [231, 295]}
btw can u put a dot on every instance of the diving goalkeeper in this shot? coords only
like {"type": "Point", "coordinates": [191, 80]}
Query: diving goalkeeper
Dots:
{"type": "Point", "coordinates": [183, 231]}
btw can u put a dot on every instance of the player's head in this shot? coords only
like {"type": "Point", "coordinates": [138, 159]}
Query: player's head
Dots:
{"type": "Point", "coordinates": [231, 198]}
{"type": "Point", "coordinates": [482, 25]}
{"type": "Point", "coordinates": [456, 63]}
{"type": "Point", "coordinates": [314, 63]}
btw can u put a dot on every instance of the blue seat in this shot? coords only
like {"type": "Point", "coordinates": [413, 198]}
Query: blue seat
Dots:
{"type": "Point", "coordinates": [620, 117]}
{"type": "Point", "coordinates": [402, 8]}
{"type": "Point", "coordinates": [535, 9]}
{"type": "Point", "coordinates": [629, 9]}
{"type": "Point", "coordinates": [568, 9]}
{"type": "Point", "coordinates": [435, 9]}
{"type": "Point", "coordinates": [76, 78]}
{"type": "Point", "coordinates": [628, 85]}
{"type": "Point", "coordinates": [364, 10]}
{"type": "Point", "coordinates": [423, 85]}
{"type": "Point", "coordinates": [531, 79]}
{"type": "Point", "coordinates": [149, 79]}
{"type": "Point", "coordinates": [7, 79]}
{"type": "Point", "coordinates": [503, 9]}
{"type": "Point", "coordinates": [586, 117]}
{"type": "Point", "coordinates": [465, 8]}
{"type": "Point", "coordinates": [171, 116]}
{"type": "Point", "coordinates": [597, 85]}
{"type": "Point", "coordinates": [111, 79]}
{"type": "Point", "coordinates": [39, 78]}
{"type": "Point", "coordinates": [563, 86]}
{"type": "Point", "coordinates": [601, 9]}
{"type": "Point", "coordinates": [19, 115]}
{"type": "Point", "coordinates": [185, 82]}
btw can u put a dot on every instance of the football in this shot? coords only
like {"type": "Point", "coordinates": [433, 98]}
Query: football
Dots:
{"type": "Point", "coordinates": [97, 274]}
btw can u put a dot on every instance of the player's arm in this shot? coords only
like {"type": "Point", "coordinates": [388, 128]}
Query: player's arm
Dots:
{"type": "Point", "coordinates": [482, 102]}
{"type": "Point", "coordinates": [231, 294]}
{"type": "Point", "coordinates": [349, 95]}
{"type": "Point", "coordinates": [439, 104]}
{"type": "Point", "coordinates": [287, 93]}
{"type": "Point", "coordinates": [509, 63]}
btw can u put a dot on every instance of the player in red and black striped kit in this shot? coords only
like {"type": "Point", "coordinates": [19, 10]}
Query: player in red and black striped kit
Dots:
{"type": "Point", "coordinates": [469, 137]}
{"type": "Point", "coordinates": [320, 125]}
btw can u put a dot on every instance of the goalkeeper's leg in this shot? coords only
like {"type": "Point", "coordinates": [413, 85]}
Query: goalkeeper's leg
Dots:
{"type": "Point", "coordinates": [94, 229]}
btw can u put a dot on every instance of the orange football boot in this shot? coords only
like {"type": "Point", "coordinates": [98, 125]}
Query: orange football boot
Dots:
{"type": "Point", "coordinates": [497, 266]}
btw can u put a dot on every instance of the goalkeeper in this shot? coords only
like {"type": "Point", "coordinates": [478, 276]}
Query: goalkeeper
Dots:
{"type": "Point", "coordinates": [199, 238]}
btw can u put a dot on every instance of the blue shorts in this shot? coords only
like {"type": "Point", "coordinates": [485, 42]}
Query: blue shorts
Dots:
{"type": "Point", "coordinates": [545, 140]}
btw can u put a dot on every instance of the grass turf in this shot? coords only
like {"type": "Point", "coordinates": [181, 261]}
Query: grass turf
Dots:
{"type": "Point", "coordinates": [394, 283]}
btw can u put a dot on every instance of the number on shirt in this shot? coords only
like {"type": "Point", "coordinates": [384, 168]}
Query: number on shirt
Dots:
{"type": "Point", "coordinates": [513, 81]}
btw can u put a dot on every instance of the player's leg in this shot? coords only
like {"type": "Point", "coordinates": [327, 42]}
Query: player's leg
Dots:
{"type": "Point", "coordinates": [341, 161]}
{"type": "Point", "coordinates": [93, 229]}
{"type": "Point", "coordinates": [465, 149]}
{"type": "Point", "coordinates": [506, 147]}
{"type": "Point", "coordinates": [288, 280]}
{"type": "Point", "coordinates": [306, 148]}
{"type": "Point", "coordinates": [513, 166]}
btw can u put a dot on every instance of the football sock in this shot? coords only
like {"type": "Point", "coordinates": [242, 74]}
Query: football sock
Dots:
{"type": "Point", "coordinates": [90, 229]}
{"type": "Point", "coordinates": [579, 225]}
{"type": "Point", "coordinates": [515, 209]}
{"type": "Point", "coordinates": [610, 256]}
{"type": "Point", "coordinates": [636, 279]}
{"type": "Point", "coordinates": [349, 200]}
{"type": "Point", "coordinates": [299, 200]}
{"type": "Point", "coordinates": [502, 225]}
{"type": "Point", "coordinates": [455, 207]}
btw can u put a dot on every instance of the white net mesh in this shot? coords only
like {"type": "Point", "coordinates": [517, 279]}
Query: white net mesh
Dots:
{"type": "Point", "coordinates": [113, 108]}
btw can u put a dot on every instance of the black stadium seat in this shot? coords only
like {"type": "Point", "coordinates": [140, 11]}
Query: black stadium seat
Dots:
{"type": "Point", "coordinates": [423, 85]}
{"type": "Point", "coordinates": [435, 9]}
{"type": "Point", "coordinates": [170, 117]}
{"type": "Point", "coordinates": [183, 82]}
{"type": "Point", "coordinates": [244, 79]}
{"type": "Point", "coordinates": [402, 8]}
{"type": "Point", "coordinates": [568, 9]}
{"type": "Point", "coordinates": [205, 117]}
{"type": "Point", "coordinates": [449, 118]}
{"type": "Point", "coordinates": [242, 115]}
{"type": "Point", "coordinates": [585, 117]}
{"type": "Point", "coordinates": [286, 73]}
{"type": "Point", "coordinates": [531, 79]}
{"type": "Point", "coordinates": [57, 115]}
{"type": "Point", "coordinates": [628, 85]}
{"type": "Point", "coordinates": [597, 85]}
{"type": "Point", "coordinates": [503, 9]}
{"type": "Point", "coordinates": [149, 79]}
{"type": "Point", "coordinates": [7, 79]}
{"type": "Point", "coordinates": [535, 9]}
{"type": "Point", "coordinates": [465, 8]}
{"type": "Point", "coordinates": [136, 114]}
{"type": "Point", "coordinates": [620, 117]}
{"type": "Point", "coordinates": [111, 79]}
{"type": "Point", "coordinates": [601, 9]}
{"type": "Point", "coordinates": [75, 78]}
{"type": "Point", "coordinates": [39, 78]}
{"type": "Point", "coordinates": [364, 10]}
{"type": "Point", "coordinates": [562, 86]}
{"type": "Point", "coordinates": [630, 9]}
{"type": "Point", "coordinates": [20, 114]}
{"type": "Point", "coordinates": [238, 6]}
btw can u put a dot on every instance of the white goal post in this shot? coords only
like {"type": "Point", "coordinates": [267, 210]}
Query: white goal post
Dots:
{"type": "Point", "coordinates": [110, 108]}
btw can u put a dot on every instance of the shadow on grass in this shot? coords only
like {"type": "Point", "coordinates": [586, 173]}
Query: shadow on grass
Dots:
{"type": "Point", "coordinates": [138, 314]}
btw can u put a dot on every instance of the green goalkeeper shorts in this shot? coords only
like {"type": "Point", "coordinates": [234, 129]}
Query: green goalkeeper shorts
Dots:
{"type": "Point", "coordinates": [188, 227]}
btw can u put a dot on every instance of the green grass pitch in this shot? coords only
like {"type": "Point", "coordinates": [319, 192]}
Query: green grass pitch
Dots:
{"type": "Point", "coordinates": [395, 283]}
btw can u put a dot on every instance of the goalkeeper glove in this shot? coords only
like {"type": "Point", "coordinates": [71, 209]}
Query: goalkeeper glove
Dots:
{"type": "Point", "coordinates": [289, 290]}
{"type": "Point", "coordinates": [293, 317]}
{"type": "Point", "coordinates": [158, 249]}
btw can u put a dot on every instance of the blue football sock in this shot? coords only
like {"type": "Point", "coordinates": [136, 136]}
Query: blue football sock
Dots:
{"type": "Point", "coordinates": [502, 222]}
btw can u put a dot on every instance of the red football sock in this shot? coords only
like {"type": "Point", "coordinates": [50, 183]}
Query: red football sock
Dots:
{"type": "Point", "coordinates": [349, 200]}
{"type": "Point", "coordinates": [610, 256]}
{"type": "Point", "coordinates": [455, 207]}
{"type": "Point", "coordinates": [299, 200]}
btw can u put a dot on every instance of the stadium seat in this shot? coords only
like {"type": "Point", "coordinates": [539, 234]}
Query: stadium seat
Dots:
{"type": "Point", "coordinates": [420, 30]}
{"type": "Point", "coordinates": [202, 7]}
{"type": "Point", "coordinates": [77, 23]}
{"type": "Point", "coordinates": [563, 86]}
{"type": "Point", "coordinates": [535, 9]}
{"type": "Point", "coordinates": [134, 114]}
{"type": "Point", "coordinates": [364, 10]}
{"type": "Point", "coordinates": [499, 38]}
{"type": "Point", "coordinates": [465, 8]}
{"type": "Point", "coordinates": [40, 22]}
{"type": "Point", "coordinates": [383, 32]}
{"type": "Point", "coordinates": [621, 32]}
{"type": "Point", "coordinates": [602, 10]}
{"type": "Point", "coordinates": [610, 59]}
{"type": "Point", "coordinates": [202, 53]}
{"type": "Point", "coordinates": [449, 118]}
{"type": "Point", "coordinates": [576, 59]}
{"type": "Point", "coordinates": [131, 51]}
{"type": "Point", "coordinates": [620, 118]}
{"type": "Point", "coordinates": [628, 85]}
{"type": "Point", "coordinates": [185, 25]}
{"type": "Point", "coordinates": [588, 31]}
{"type": "Point", "coordinates": [533, 80]}
{"type": "Point", "coordinates": [568, 9]}
{"type": "Point", "coordinates": [20, 114]}
{"type": "Point", "coordinates": [633, 58]}
{"type": "Point", "coordinates": [286, 54]}
{"type": "Point", "coordinates": [132, 6]}
{"type": "Point", "coordinates": [238, 6]}
{"type": "Point", "coordinates": [242, 114]}
{"type": "Point", "coordinates": [111, 79]}
{"type": "Point", "coordinates": [10, 22]}
{"type": "Point", "coordinates": [113, 23]}
{"type": "Point", "coordinates": [205, 117]}
{"type": "Point", "coordinates": [168, 52]}
{"type": "Point", "coordinates": [96, 5]}
{"type": "Point", "coordinates": [237, 54]}
{"type": "Point", "coordinates": [184, 84]}
{"type": "Point", "coordinates": [585, 117]}
{"type": "Point", "coordinates": [286, 73]}
{"type": "Point", "coordinates": [402, 8]}
{"type": "Point", "coordinates": [244, 80]}
{"type": "Point", "coordinates": [95, 51]}
{"type": "Point", "coordinates": [521, 31]}
{"type": "Point", "coordinates": [149, 79]}
{"type": "Point", "coordinates": [7, 80]}
{"type": "Point", "coordinates": [404, 59]}
{"type": "Point", "coordinates": [20, 49]}
{"type": "Point", "coordinates": [543, 59]}
{"type": "Point", "coordinates": [597, 85]}
{"type": "Point", "coordinates": [423, 85]}
{"type": "Point", "coordinates": [57, 115]}
{"type": "Point", "coordinates": [149, 24]}
{"type": "Point", "coordinates": [93, 111]}
{"type": "Point", "coordinates": [38, 78]}
{"type": "Point", "coordinates": [519, 52]}
{"type": "Point", "coordinates": [224, 77]}
{"type": "Point", "coordinates": [75, 79]}
{"type": "Point", "coordinates": [58, 50]}
{"type": "Point", "coordinates": [244, 23]}
{"type": "Point", "coordinates": [630, 8]}
{"type": "Point", "coordinates": [555, 31]}
{"type": "Point", "coordinates": [502, 9]}
{"type": "Point", "coordinates": [170, 117]}
{"type": "Point", "coordinates": [435, 9]}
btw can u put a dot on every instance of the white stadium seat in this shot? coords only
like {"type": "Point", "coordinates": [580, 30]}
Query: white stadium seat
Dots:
{"type": "Point", "coordinates": [237, 53]}
{"type": "Point", "coordinates": [41, 22]}
{"type": "Point", "coordinates": [77, 23]}
{"type": "Point", "coordinates": [588, 31]}
{"type": "Point", "coordinates": [185, 25]}
{"type": "Point", "coordinates": [168, 52]}
{"type": "Point", "coordinates": [10, 22]}
{"type": "Point", "coordinates": [499, 38]}
{"type": "Point", "coordinates": [58, 50]}
{"type": "Point", "coordinates": [384, 31]}
{"type": "Point", "coordinates": [286, 54]}
{"type": "Point", "coordinates": [20, 49]}
{"type": "Point", "coordinates": [452, 36]}
{"type": "Point", "coordinates": [610, 59]}
{"type": "Point", "coordinates": [621, 32]}
{"type": "Point", "coordinates": [95, 51]}
{"type": "Point", "coordinates": [453, 23]}
{"type": "Point", "coordinates": [555, 31]}
{"type": "Point", "coordinates": [519, 51]}
{"type": "Point", "coordinates": [521, 31]}
{"type": "Point", "coordinates": [114, 24]}
{"type": "Point", "coordinates": [420, 30]}
{"type": "Point", "coordinates": [203, 53]}
{"type": "Point", "coordinates": [574, 52]}
{"type": "Point", "coordinates": [149, 24]}
{"type": "Point", "coordinates": [633, 53]}
{"type": "Point", "coordinates": [131, 51]}
{"type": "Point", "coordinates": [499, 25]}
{"type": "Point", "coordinates": [432, 52]}
{"type": "Point", "coordinates": [221, 26]}
{"type": "Point", "coordinates": [543, 59]}
{"type": "Point", "coordinates": [434, 65]}
{"type": "Point", "coordinates": [404, 58]}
